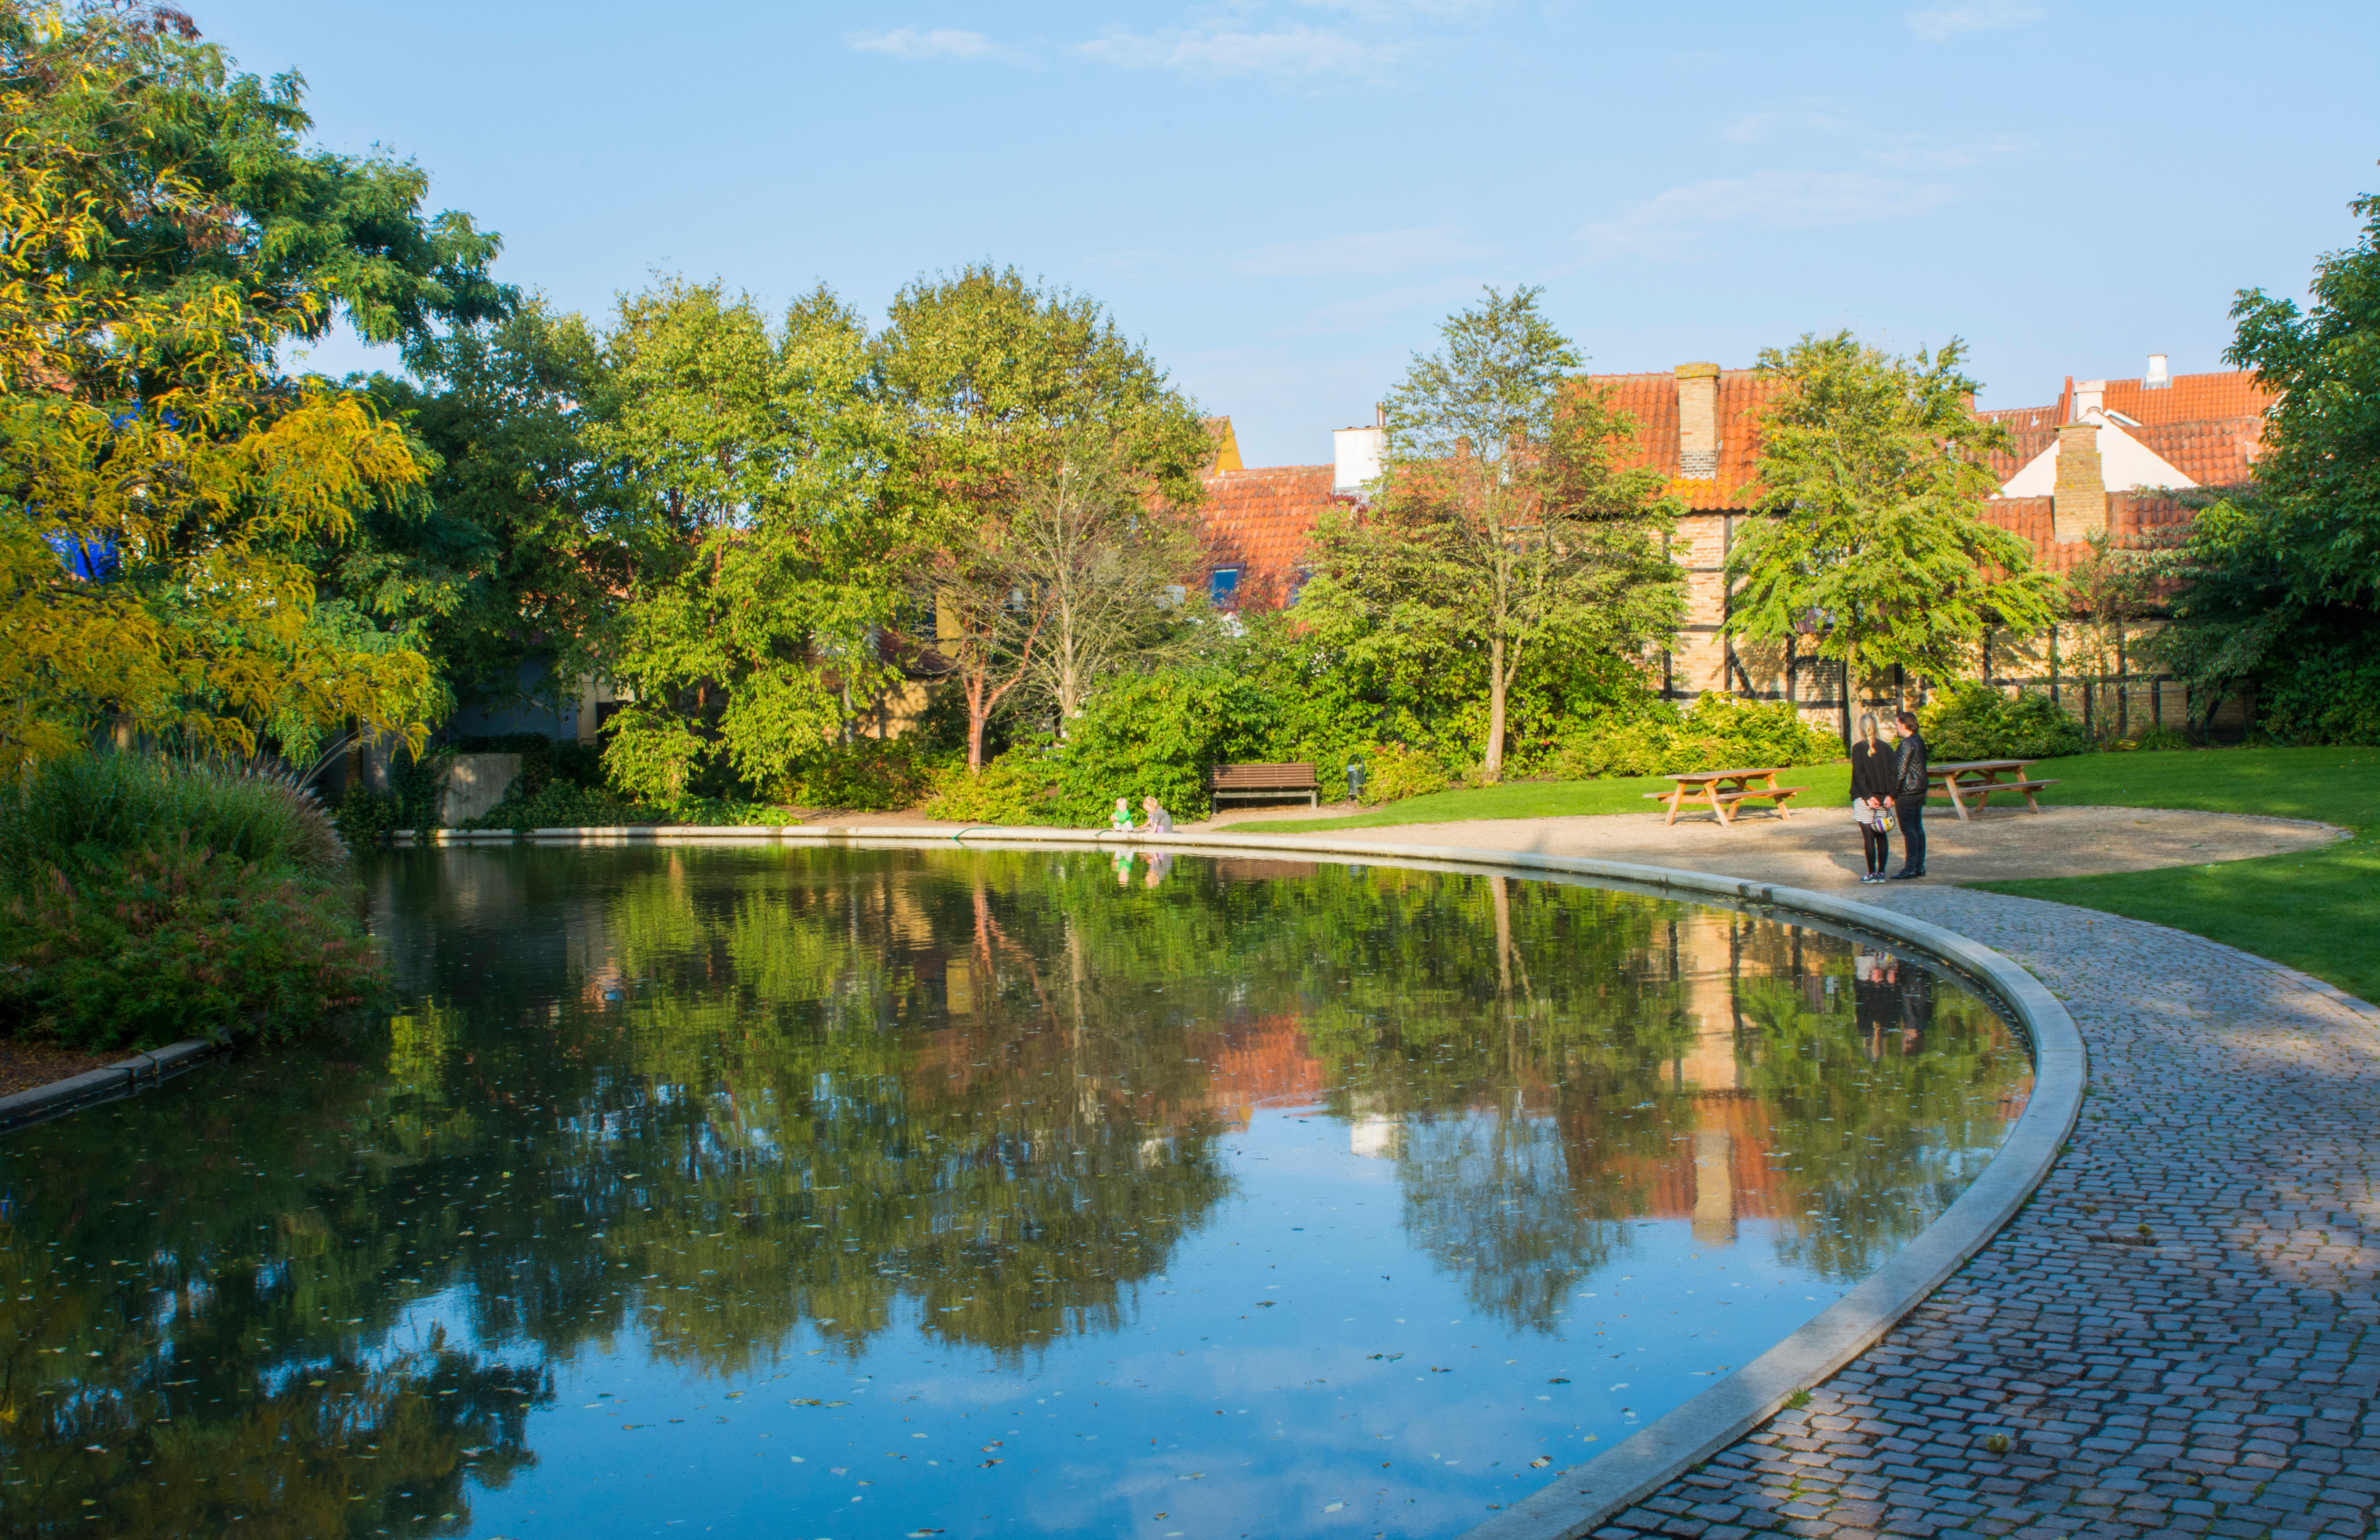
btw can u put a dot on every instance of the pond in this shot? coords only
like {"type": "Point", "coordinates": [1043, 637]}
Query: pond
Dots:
{"type": "Point", "coordinates": [799, 1191]}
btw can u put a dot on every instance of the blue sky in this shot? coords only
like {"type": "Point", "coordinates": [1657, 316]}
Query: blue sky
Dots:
{"type": "Point", "coordinates": [1283, 196]}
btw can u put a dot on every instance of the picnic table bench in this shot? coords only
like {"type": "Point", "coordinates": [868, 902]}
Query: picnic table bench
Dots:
{"type": "Point", "coordinates": [1722, 790]}
{"type": "Point", "coordinates": [1978, 779]}
{"type": "Point", "coordinates": [1261, 783]}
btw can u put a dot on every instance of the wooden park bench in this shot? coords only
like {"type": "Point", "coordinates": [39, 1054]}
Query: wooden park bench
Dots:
{"type": "Point", "coordinates": [1261, 783]}
{"type": "Point", "coordinates": [1721, 791]}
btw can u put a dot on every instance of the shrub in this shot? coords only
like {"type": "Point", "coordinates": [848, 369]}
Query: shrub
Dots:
{"type": "Point", "coordinates": [2323, 696]}
{"type": "Point", "coordinates": [867, 776]}
{"type": "Point", "coordinates": [122, 802]}
{"type": "Point", "coordinates": [1018, 787]}
{"type": "Point", "coordinates": [147, 900]}
{"type": "Point", "coordinates": [2150, 738]}
{"type": "Point", "coordinates": [560, 804]}
{"type": "Point", "coordinates": [1719, 732]}
{"type": "Point", "coordinates": [1393, 773]}
{"type": "Point", "coordinates": [1972, 720]}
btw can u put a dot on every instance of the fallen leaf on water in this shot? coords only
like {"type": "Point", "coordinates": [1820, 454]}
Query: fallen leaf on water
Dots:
{"type": "Point", "coordinates": [1332, 1506]}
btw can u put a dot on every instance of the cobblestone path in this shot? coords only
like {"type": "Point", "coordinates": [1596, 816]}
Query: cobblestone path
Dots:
{"type": "Point", "coordinates": [2177, 1336]}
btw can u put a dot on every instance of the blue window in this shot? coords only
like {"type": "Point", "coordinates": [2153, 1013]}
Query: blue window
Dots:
{"type": "Point", "coordinates": [1223, 586]}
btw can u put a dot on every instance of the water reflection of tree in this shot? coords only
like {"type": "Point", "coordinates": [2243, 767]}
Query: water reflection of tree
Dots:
{"type": "Point", "coordinates": [728, 1094]}
{"type": "Point", "coordinates": [188, 1339]}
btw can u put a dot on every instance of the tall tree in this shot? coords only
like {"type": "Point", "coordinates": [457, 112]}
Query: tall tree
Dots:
{"type": "Point", "coordinates": [1502, 521]}
{"type": "Point", "coordinates": [1873, 473]}
{"type": "Point", "coordinates": [1002, 382]}
{"type": "Point", "coordinates": [157, 487]}
{"type": "Point", "coordinates": [504, 559]}
{"type": "Point", "coordinates": [763, 550]}
{"type": "Point", "coordinates": [1102, 560]}
{"type": "Point", "coordinates": [215, 195]}
{"type": "Point", "coordinates": [2283, 579]}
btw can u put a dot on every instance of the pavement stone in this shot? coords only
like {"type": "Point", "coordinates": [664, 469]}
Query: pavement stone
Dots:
{"type": "Point", "coordinates": [2217, 1375]}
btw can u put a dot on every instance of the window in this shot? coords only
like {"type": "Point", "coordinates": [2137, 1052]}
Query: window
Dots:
{"type": "Point", "coordinates": [1223, 587]}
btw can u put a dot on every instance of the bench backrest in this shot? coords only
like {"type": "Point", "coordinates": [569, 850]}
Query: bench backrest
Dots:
{"type": "Point", "coordinates": [1260, 778]}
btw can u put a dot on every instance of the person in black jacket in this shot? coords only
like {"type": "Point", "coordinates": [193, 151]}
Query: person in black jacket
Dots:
{"type": "Point", "coordinates": [1909, 788]}
{"type": "Point", "coordinates": [1872, 790]}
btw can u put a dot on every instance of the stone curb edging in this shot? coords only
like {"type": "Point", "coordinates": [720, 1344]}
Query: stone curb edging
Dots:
{"type": "Point", "coordinates": [100, 1084]}
{"type": "Point", "coordinates": [1585, 1495]}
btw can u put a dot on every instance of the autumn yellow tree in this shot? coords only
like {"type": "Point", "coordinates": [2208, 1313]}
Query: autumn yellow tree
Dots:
{"type": "Point", "coordinates": [159, 482]}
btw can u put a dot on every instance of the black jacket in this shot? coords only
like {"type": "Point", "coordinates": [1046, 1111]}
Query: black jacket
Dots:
{"type": "Point", "coordinates": [1909, 768]}
{"type": "Point", "coordinates": [1871, 771]}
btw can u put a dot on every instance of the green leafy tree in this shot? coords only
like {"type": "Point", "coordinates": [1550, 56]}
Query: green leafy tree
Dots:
{"type": "Point", "coordinates": [1009, 390]}
{"type": "Point", "coordinates": [1873, 470]}
{"type": "Point", "coordinates": [158, 486]}
{"type": "Point", "coordinates": [1501, 522]}
{"type": "Point", "coordinates": [2282, 579]}
{"type": "Point", "coordinates": [764, 552]}
{"type": "Point", "coordinates": [507, 554]}
{"type": "Point", "coordinates": [214, 195]}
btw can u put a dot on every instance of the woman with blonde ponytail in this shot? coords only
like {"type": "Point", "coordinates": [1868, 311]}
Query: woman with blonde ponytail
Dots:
{"type": "Point", "coordinates": [1872, 793]}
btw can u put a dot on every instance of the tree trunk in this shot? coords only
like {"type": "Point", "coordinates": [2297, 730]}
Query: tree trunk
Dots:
{"type": "Point", "coordinates": [977, 715]}
{"type": "Point", "coordinates": [1491, 763]}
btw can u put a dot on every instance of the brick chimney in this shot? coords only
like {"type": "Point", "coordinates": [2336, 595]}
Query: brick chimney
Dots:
{"type": "Point", "coordinates": [1697, 421]}
{"type": "Point", "coordinates": [2082, 499]}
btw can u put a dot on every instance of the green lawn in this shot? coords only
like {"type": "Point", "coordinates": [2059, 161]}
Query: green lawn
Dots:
{"type": "Point", "coordinates": [2318, 911]}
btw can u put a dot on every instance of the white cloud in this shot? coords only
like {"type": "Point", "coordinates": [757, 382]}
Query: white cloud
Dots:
{"type": "Point", "coordinates": [1759, 127]}
{"type": "Point", "coordinates": [1374, 251]}
{"type": "Point", "coordinates": [1775, 199]}
{"type": "Point", "coordinates": [943, 42]}
{"type": "Point", "coordinates": [1945, 22]}
{"type": "Point", "coordinates": [1362, 315]}
{"type": "Point", "coordinates": [1291, 51]}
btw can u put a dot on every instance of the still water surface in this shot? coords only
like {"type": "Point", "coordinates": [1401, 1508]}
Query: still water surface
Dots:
{"type": "Point", "coordinates": [875, 1192]}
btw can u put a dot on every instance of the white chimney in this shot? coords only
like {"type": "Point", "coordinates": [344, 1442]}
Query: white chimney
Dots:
{"type": "Point", "coordinates": [2156, 378]}
{"type": "Point", "coordinates": [2090, 396]}
{"type": "Point", "coordinates": [1355, 458]}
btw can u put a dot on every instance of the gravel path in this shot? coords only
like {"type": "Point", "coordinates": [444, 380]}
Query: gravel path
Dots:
{"type": "Point", "coordinates": [2175, 1337]}
{"type": "Point", "coordinates": [1819, 847]}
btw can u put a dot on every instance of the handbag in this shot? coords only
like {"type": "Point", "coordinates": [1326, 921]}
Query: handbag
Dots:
{"type": "Point", "coordinates": [1878, 818]}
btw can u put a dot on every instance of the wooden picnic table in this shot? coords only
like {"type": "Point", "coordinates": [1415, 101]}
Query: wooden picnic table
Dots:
{"type": "Point", "coordinates": [1978, 779]}
{"type": "Point", "coordinates": [1721, 790]}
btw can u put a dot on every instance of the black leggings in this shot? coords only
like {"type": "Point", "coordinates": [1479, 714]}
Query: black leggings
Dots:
{"type": "Point", "coordinates": [1878, 846]}
{"type": "Point", "coordinates": [1910, 811]}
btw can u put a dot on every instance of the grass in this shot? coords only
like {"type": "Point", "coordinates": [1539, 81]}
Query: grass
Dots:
{"type": "Point", "coordinates": [1540, 799]}
{"type": "Point", "coordinates": [2317, 910]}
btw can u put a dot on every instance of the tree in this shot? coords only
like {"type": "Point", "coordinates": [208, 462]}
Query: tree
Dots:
{"type": "Point", "coordinates": [507, 552]}
{"type": "Point", "coordinates": [158, 486]}
{"type": "Point", "coordinates": [213, 197]}
{"type": "Point", "coordinates": [1004, 386]}
{"type": "Point", "coordinates": [1500, 521]}
{"type": "Point", "coordinates": [2282, 579]}
{"type": "Point", "coordinates": [1873, 470]}
{"type": "Point", "coordinates": [763, 551]}
{"type": "Point", "coordinates": [1103, 564]}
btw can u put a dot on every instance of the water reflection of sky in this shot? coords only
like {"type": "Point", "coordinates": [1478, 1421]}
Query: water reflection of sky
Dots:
{"type": "Point", "coordinates": [852, 1194]}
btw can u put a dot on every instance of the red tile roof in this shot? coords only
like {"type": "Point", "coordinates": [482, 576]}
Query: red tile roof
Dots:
{"type": "Point", "coordinates": [2190, 398]}
{"type": "Point", "coordinates": [1652, 401]}
{"type": "Point", "coordinates": [1260, 521]}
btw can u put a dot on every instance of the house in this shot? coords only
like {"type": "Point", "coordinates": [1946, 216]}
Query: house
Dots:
{"type": "Point", "coordinates": [2108, 455]}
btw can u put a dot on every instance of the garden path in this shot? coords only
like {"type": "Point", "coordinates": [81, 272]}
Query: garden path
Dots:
{"type": "Point", "coordinates": [2178, 1336]}
{"type": "Point", "coordinates": [1818, 848]}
